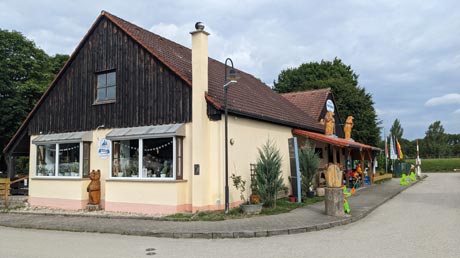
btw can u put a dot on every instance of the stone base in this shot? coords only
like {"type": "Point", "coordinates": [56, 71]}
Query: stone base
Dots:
{"type": "Point", "coordinates": [93, 207]}
{"type": "Point", "coordinates": [251, 208]}
{"type": "Point", "coordinates": [334, 201]}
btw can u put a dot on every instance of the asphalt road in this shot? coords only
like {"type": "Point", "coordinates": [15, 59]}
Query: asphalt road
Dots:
{"type": "Point", "coordinates": [423, 221]}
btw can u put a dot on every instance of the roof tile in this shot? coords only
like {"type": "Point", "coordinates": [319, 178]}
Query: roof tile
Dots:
{"type": "Point", "coordinates": [249, 96]}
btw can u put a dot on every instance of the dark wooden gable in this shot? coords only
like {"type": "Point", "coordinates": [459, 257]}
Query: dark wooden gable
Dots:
{"type": "Point", "coordinates": [147, 92]}
{"type": "Point", "coordinates": [338, 120]}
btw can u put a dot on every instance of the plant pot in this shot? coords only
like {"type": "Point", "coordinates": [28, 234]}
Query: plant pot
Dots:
{"type": "Point", "coordinates": [251, 208]}
{"type": "Point", "coordinates": [320, 191]}
{"type": "Point", "coordinates": [310, 194]}
{"type": "Point", "coordinates": [292, 198]}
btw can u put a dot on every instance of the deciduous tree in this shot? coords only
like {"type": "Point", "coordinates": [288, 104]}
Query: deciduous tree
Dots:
{"type": "Point", "coordinates": [25, 72]}
{"type": "Point", "coordinates": [351, 99]}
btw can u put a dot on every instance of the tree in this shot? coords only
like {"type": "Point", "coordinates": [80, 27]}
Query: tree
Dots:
{"type": "Point", "coordinates": [25, 72]}
{"type": "Point", "coordinates": [435, 139]}
{"type": "Point", "coordinates": [396, 130]}
{"type": "Point", "coordinates": [350, 98]}
{"type": "Point", "coordinates": [269, 179]}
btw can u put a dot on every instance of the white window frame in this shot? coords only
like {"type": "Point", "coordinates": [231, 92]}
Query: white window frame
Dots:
{"type": "Point", "coordinates": [140, 160]}
{"type": "Point", "coordinates": [56, 162]}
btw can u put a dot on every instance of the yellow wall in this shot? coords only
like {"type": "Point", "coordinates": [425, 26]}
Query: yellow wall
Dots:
{"type": "Point", "coordinates": [248, 136]}
{"type": "Point", "coordinates": [53, 188]}
{"type": "Point", "coordinates": [198, 192]}
{"type": "Point", "coordinates": [144, 192]}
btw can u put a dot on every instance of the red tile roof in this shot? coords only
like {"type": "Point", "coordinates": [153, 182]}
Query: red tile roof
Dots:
{"type": "Point", "coordinates": [341, 142]}
{"type": "Point", "coordinates": [249, 97]}
{"type": "Point", "coordinates": [311, 102]}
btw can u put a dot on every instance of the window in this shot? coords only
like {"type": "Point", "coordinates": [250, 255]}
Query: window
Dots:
{"type": "Point", "coordinates": [153, 158]}
{"type": "Point", "coordinates": [106, 87]}
{"type": "Point", "coordinates": [63, 160]}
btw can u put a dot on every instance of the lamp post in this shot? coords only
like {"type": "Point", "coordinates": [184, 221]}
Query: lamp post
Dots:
{"type": "Point", "coordinates": [227, 83]}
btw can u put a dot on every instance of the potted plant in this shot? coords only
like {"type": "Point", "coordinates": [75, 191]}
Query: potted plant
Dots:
{"type": "Point", "coordinates": [74, 168]}
{"type": "Point", "coordinates": [164, 169]}
{"type": "Point", "coordinates": [309, 164]}
{"type": "Point", "coordinates": [247, 206]}
{"type": "Point", "coordinates": [42, 170]}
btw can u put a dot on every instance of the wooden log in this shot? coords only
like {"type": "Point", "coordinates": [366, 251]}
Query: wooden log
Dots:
{"type": "Point", "coordinates": [334, 201]}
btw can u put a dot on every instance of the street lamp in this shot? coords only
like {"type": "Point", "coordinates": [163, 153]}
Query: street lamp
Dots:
{"type": "Point", "coordinates": [227, 82]}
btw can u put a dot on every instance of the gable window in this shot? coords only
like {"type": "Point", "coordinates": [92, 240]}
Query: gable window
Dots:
{"type": "Point", "coordinates": [106, 87]}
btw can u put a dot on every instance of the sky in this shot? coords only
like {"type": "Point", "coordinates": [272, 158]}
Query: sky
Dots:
{"type": "Point", "coordinates": [406, 53]}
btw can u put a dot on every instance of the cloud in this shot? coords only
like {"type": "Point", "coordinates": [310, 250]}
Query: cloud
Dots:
{"type": "Point", "coordinates": [457, 112]}
{"type": "Point", "coordinates": [452, 98]}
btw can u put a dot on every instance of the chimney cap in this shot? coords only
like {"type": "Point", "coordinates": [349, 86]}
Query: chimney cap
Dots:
{"type": "Point", "coordinates": [199, 26]}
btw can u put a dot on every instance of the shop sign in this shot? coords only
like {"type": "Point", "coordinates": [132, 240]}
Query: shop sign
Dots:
{"type": "Point", "coordinates": [330, 105]}
{"type": "Point", "coordinates": [104, 148]}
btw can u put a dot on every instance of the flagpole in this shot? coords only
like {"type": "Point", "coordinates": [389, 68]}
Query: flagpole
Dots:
{"type": "Point", "coordinates": [386, 150]}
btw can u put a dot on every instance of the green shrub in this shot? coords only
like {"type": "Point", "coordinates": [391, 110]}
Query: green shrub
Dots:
{"type": "Point", "coordinates": [309, 163]}
{"type": "Point", "coordinates": [269, 179]}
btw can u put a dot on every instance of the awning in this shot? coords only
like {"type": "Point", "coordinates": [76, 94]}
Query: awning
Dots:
{"type": "Point", "coordinates": [63, 138]}
{"type": "Point", "coordinates": [334, 140]}
{"type": "Point", "coordinates": [154, 131]}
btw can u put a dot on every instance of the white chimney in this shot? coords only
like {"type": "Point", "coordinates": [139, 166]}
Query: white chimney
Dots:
{"type": "Point", "coordinates": [200, 136]}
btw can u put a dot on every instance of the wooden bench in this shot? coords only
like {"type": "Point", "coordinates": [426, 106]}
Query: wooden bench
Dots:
{"type": "Point", "coordinates": [382, 177]}
{"type": "Point", "coordinates": [5, 190]}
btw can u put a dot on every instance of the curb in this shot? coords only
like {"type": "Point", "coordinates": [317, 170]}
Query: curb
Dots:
{"type": "Point", "coordinates": [347, 219]}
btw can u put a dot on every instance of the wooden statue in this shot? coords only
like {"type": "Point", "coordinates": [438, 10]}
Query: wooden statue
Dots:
{"type": "Point", "coordinates": [94, 187]}
{"type": "Point", "coordinates": [333, 176]}
{"type": "Point", "coordinates": [329, 123]}
{"type": "Point", "coordinates": [347, 127]}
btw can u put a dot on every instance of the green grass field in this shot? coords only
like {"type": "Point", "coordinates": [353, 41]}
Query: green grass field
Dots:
{"type": "Point", "coordinates": [438, 165]}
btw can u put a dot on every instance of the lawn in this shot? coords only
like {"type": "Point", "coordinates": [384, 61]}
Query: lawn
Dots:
{"type": "Point", "coordinates": [282, 206]}
{"type": "Point", "coordinates": [439, 165]}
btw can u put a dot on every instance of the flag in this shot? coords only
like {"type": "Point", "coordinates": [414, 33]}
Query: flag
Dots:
{"type": "Point", "coordinates": [386, 148]}
{"type": "Point", "coordinates": [399, 150]}
{"type": "Point", "coordinates": [392, 149]}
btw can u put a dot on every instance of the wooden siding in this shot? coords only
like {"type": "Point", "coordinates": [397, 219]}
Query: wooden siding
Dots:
{"type": "Point", "coordinates": [147, 92]}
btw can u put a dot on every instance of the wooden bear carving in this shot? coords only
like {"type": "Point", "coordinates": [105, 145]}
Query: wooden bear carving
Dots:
{"type": "Point", "coordinates": [347, 127]}
{"type": "Point", "coordinates": [94, 187]}
{"type": "Point", "coordinates": [329, 123]}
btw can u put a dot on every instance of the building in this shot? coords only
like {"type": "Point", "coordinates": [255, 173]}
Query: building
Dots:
{"type": "Point", "coordinates": [148, 113]}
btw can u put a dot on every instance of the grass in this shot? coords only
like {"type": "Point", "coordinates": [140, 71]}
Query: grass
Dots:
{"type": "Point", "coordinates": [282, 206]}
{"type": "Point", "coordinates": [438, 165]}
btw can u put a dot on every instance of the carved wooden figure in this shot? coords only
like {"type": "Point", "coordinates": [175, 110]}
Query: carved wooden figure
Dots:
{"type": "Point", "coordinates": [333, 176]}
{"type": "Point", "coordinates": [94, 187]}
{"type": "Point", "coordinates": [329, 123]}
{"type": "Point", "coordinates": [347, 127]}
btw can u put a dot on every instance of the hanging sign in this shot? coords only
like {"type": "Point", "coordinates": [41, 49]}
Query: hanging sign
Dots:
{"type": "Point", "coordinates": [104, 148]}
{"type": "Point", "coordinates": [330, 105]}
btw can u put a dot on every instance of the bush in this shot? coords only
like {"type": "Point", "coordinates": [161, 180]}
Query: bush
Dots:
{"type": "Point", "coordinates": [309, 164]}
{"type": "Point", "coordinates": [269, 179]}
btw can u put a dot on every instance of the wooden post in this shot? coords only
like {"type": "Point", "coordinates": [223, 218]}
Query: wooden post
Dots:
{"type": "Point", "coordinates": [5, 190]}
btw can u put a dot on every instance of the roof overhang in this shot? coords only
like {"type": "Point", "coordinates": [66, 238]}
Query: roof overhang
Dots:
{"type": "Point", "coordinates": [155, 131]}
{"type": "Point", "coordinates": [334, 140]}
{"type": "Point", "coordinates": [63, 138]}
